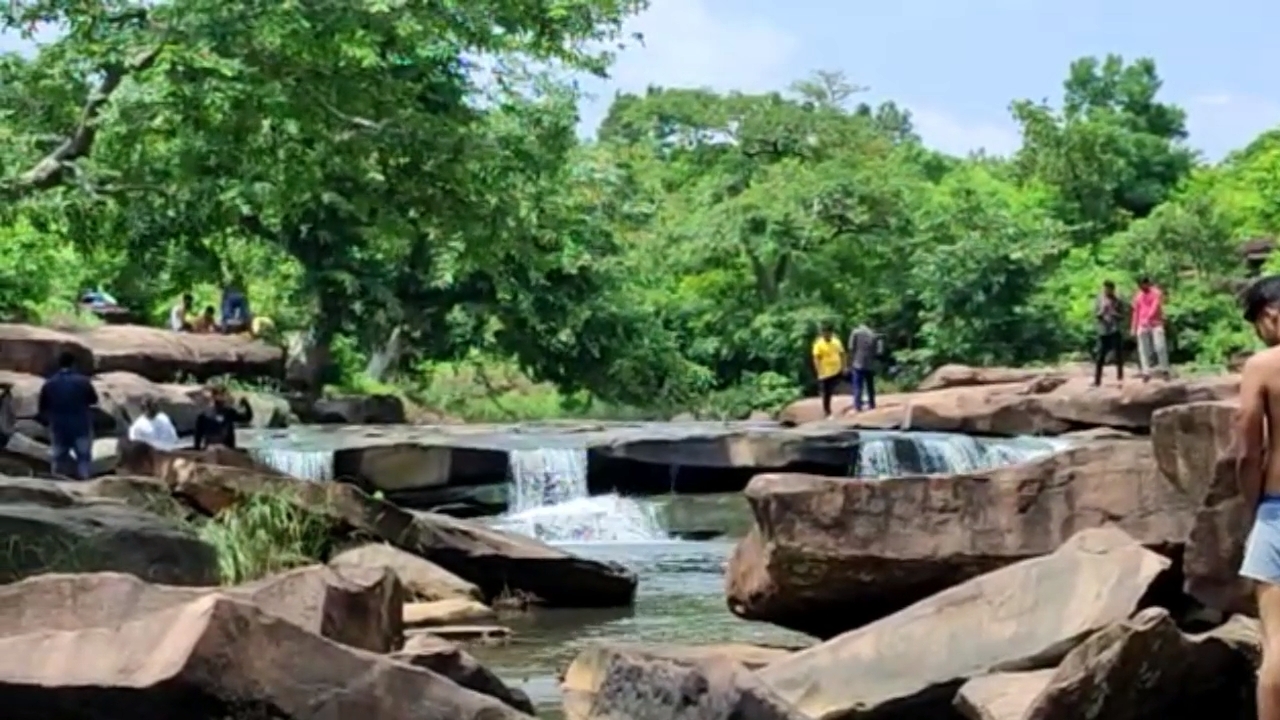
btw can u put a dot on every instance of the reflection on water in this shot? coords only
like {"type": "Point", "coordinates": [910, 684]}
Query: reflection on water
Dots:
{"type": "Point", "coordinates": [680, 600]}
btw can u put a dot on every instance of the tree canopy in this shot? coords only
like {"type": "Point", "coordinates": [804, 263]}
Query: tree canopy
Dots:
{"type": "Point", "coordinates": [413, 167]}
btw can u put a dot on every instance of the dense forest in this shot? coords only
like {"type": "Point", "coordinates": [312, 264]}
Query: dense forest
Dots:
{"type": "Point", "coordinates": [413, 167]}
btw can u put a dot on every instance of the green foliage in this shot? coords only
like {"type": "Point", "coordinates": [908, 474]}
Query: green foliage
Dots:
{"type": "Point", "coordinates": [366, 172]}
{"type": "Point", "coordinates": [266, 533]}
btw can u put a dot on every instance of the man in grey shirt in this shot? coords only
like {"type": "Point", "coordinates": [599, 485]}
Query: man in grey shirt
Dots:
{"type": "Point", "coordinates": [864, 347]}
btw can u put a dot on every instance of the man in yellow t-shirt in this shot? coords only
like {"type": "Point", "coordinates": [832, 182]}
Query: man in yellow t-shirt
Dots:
{"type": "Point", "coordinates": [828, 364]}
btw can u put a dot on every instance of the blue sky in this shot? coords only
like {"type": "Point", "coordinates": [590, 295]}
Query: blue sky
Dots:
{"type": "Point", "coordinates": [957, 64]}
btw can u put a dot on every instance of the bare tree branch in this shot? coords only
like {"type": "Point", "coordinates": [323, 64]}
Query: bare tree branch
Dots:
{"type": "Point", "coordinates": [52, 170]}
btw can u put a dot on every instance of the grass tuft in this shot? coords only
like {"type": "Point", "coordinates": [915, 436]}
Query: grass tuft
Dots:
{"type": "Point", "coordinates": [266, 533]}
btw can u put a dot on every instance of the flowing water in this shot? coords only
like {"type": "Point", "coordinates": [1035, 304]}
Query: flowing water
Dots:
{"type": "Point", "coordinates": [681, 590]}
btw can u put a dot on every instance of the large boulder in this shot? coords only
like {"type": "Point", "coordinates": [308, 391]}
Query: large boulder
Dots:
{"type": "Point", "coordinates": [1050, 405]}
{"type": "Point", "coordinates": [1026, 616]}
{"type": "Point", "coordinates": [445, 658]}
{"type": "Point", "coordinates": [120, 398]}
{"type": "Point", "coordinates": [51, 529]}
{"type": "Point", "coordinates": [352, 410]}
{"type": "Point", "coordinates": [35, 350]}
{"type": "Point", "coordinates": [1194, 449]}
{"type": "Point", "coordinates": [830, 554]}
{"type": "Point", "coordinates": [629, 684]}
{"type": "Point", "coordinates": [217, 657]}
{"type": "Point", "coordinates": [1145, 667]}
{"type": "Point", "coordinates": [949, 376]}
{"type": "Point", "coordinates": [164, 356]}
{"type": "Point", "coordinates": [361, 610]}
{"type": "Point", "coordinates": [495, 561]}
{"type": "Point", "coordinates": [423, 580]}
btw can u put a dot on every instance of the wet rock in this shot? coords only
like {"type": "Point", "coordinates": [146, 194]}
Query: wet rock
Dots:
{"type": "Point", "coordinates": [48, 529]}
{"type": "Point", "coordinates": [361, 610]}
{"type": "Point", "coordinates": [452, 611]}
{"type": "Point", "coordinates": [830, 554]}
{"type": "Point", "coordinates": [423, 580]}
{"type": "Point", "coordinates": [1032, 408]}
{"type": "Point", "coordinates": [495, 561]}
{"type": "Point", "coordinates": [35, 350]}
{"type": "Point", "coordinates": [1031, 614]}
{"type": "Point", "coordinates": [214, 658]}
{"type": "Point", "coordinates": [353, 410]}
{"type": "Point", "coordinates": [163, 356]}
{"type": "Point", "coordinates": [1139, 668]}
{"type": "Point", "coordinates": [444, 658]}
{"type": "Point", "coordinates": [616, 682]}
{"type": "Point", "coordinates": [466, 633]}
{"type": "Point", "coordinates": [1194, 449]}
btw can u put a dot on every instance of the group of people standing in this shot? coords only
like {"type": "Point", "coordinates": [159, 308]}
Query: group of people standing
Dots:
{"type": "Point", "coordinates": [66, 405]}
{"type": "Point", "coordinates": [1146, 324]}
{"type": "Point", "coordinates": [832, 364]}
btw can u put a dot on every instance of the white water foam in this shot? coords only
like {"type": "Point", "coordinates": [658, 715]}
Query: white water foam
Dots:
{"type": "Point", "coordinates": [313, 465]}
{"type": "Point", "coordinates": [549, 500]}
{"type": "Point", "coordinates": [894, 454]}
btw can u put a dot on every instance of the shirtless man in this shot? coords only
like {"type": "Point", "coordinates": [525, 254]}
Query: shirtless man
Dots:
{"type": "Point", "coordinates": [1258, 472]}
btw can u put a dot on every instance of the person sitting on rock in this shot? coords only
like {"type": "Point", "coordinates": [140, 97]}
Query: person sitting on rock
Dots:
{"type": "Point", "coordinates": [206, 323]}
{"type": "Point", "coordinates": [217, 425]}
{"type": "Point", "coordinates": [236, 317]}
{"type": "Point", "coordinates": [179, 315]}
{"type": "Point", "coordinates": [65, 407]}
{"type": "Point", "coordinates": [153, 427]}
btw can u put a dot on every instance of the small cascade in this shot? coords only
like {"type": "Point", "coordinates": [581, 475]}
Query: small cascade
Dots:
{"type": "Point", "coordinates": [926, 453]}
{"type": "Point", "coordinates": [548, 499]}
{"type": "Point", "coordinates": [313, 465]}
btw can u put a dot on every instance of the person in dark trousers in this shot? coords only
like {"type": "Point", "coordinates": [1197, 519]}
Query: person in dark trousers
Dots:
{"type": "Point", "coordinates": [66, 408]}
{"type": "Point", "coordinates": [828, 364]}
{"type": "Point", "coordinates": [1108, 310]}
{"type": "Point", "coordinates": [864, 348]}
{"type": "Point", "coordinates": [217, 425]}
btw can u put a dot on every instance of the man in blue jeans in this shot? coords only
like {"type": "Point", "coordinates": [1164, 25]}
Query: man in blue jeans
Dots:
{"type": "Point", "coordinates": [66, 402]}
{"type": "Point", "coordinates": [864, 346]}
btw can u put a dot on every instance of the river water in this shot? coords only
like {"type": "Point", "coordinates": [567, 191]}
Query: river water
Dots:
{"type": "Point", "coordinates": [680, 598]}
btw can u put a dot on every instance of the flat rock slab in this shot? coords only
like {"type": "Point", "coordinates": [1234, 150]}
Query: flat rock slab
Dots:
{"type": "Point", "coordinates": [218, 657]}
{"type": "Point", "coordinates": [407, 457]}
{"type": "Point", "coordinates": [826, 555]}
{"type": "Point", "coordinates": [1023, 617]}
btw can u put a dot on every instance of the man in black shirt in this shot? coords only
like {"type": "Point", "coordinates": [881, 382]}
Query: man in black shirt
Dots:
{"type": "Point", "coordinates": [217, 425]}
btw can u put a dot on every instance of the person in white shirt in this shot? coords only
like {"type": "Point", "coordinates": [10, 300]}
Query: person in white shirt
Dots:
{"type": "Point", "coordinates": [153, 427]}
{"type": "Point", "coordinates": [179, 315]}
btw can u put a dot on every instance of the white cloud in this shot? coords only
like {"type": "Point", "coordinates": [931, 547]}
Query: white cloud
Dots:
{"type": "Point", "coordinates": [959, 136]}
{"type": "Point", "coordinates": [686, 45]}
{"type": "Point", "coordinates": [1223, 121]}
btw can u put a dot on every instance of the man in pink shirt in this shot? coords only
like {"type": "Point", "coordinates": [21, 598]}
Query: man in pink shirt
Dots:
{"type": "Point", "coordinates": [1148, 327]}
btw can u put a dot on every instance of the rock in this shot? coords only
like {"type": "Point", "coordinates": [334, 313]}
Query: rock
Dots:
{"type": "Point", "coordinates": [949, 376]}
{"type": "Point", "coordinates": [495, 561]}
{"type": "Point", "coordinates": [35, 350]}
{"type": "Point", "coordinates": [1032, 408]}
{"type": "Point", "coordinates": [361, 611]}
{"type": "Point", "coordinates": [269, 411]}
{"type": "Point", "coordinates": [1001, 696]}
{"type": "Point", "coordinates": [49, 529]}
{"type": "Point", "coordinates": [144, 460]}
{"type": "Point", "coordinates": [453, 611]}
{"type": "Point", "coordinates": [1145, 667]}
{"type": "Point", "coordinates": [24, 457]}
{"type": "Point", "coordinates": [214, 658]}
{"type": "Point", "coordinates": [830, 554]}
{"type": "Point", "coordinates": [466, 633]}
{"type": "Point", "coordinates": [618, 683]}
{"type": "Point", "coordinates": [164, 356]}
{"type": "Point", "coordinates": [1030, 615]}
{"type": "Point", "coordinates": [443, 657]}
{"type": "Point", "coordinates": [422, 580]}
{"type": "Point", "coordinates": [1194, 450]}
{"type": "Point", "coordinates": [354, 410]}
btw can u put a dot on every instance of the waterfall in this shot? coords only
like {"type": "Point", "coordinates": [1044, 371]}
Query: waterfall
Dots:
{"type": "Point", "coordinates": [314, 465]}
{"type": "Point", "coordinates": [889, 454]}
{"type": "Point", "coordinates": [549, 499]}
